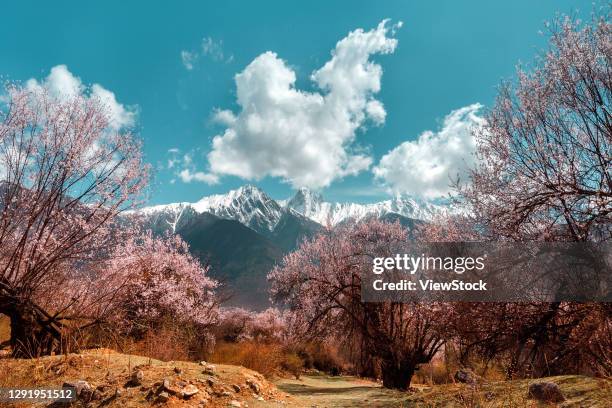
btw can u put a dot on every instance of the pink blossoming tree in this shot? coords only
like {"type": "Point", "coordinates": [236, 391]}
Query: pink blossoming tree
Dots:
{"type": "Point", "coordinates": [545, 152]}
{"type": "Point", "coordinates": [544, 174]}
{"type": "Point", "coordinates": [68, 261]}
{"type": "Point", "coordinates": [320, 283]}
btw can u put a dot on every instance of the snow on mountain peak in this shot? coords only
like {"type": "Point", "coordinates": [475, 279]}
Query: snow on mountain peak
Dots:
{"type": "Point", "coordinates": [247, 204]}
{"type": "Point", "coordinates": [254, 208]}
{"type": "Point", "coordinates": [305, 201]}
{"type": "Point", "coordinates": [311, 205]}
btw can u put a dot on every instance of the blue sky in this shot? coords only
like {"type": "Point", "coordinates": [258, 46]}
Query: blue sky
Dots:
{"type": "Point", "coordinates": [174, 66]}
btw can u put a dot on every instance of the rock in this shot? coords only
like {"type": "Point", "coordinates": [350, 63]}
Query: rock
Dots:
{"type": "Point", "coordinates": [163, 396]}
{"type": "Point", "coordinates": [226, 394]}
{"type": "Point", "coordinates": [466, 376]}
{"type": "Point", "coordinates": [203, 363]}
{"type": "Point", "coordinates": [167, 387]}
{"type": "Point", "coordinates": [96, 395]}
{"type": "Point", "coordinates": [545, 392]}
{"type": "Point", "coordinates": [181, 383]}
{"type": "Point", "coordinates": [189, 391]}
{"type": "Point", "coordinates": [86, 394]}
{"type": "Point", "coordinates": [211, 382]}
{"type": "Point", "coordinates": [82, 389]}
{"type": "Point", "coordinates": [253, 385]}
{"type": "Point", "coordinates": [236, 387]}
{"type": "Point", "coordinates": [210, 370]}
{"type": "Point", "coordinates": [234, 403]}
{"type": "Point", "coordinates": [178, 370]}
{"type": "Point", "coordinates": [136, 379]}
{"type": "Point", "coordinates": [260, 398]}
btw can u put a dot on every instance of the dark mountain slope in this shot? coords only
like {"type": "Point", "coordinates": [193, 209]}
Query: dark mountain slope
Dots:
{"type": "Point", "coordinates": [239, 257]}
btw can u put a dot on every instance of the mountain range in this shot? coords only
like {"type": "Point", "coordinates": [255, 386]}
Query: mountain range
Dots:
{"type": "Point", "coordinates": [244, 233]}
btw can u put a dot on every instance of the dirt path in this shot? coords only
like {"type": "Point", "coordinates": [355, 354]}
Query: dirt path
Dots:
{"type": "Point", "coordinates": [325, 391]}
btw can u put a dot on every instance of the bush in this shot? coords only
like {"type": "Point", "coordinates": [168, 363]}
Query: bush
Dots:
{"type": "Point", "coordinates": [292, 363]}
{"type": "Point", "coordinates": [322, 357]}
{"type": "Point", "coordinates": [435, 372]}
{"type": "Point", "coordinates": [267, 359]}
{"type": "Point", "coordinates": [5, 329]}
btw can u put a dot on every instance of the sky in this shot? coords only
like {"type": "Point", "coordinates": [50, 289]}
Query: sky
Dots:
{"type": "Point", "coordinates": [360, 100]}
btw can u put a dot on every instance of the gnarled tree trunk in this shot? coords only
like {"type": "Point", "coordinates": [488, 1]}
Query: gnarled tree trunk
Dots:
{"type": "Point", "coordinates": [33, 334]}
{"type": "Point", "coordinates": [397, 375]}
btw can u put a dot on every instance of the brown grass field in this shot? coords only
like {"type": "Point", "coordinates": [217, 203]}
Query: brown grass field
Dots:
{"type": "Point", "coordinates": [109, 372]}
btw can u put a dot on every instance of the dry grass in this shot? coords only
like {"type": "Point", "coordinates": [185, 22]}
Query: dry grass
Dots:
{"type": "Point", "coordinates": [5, 328]}
{"type": "Point", "coordinates": [268, 359]}
{"type": "Point", "coordinates": [345, 392]}
{"type": "Point", "coordinates": [438, 372]}
{"type": "Point", "coordinates": [580, 391]}
{"type": "Point", "coordinates": [165, 345]}
{"type": "Point", "coordinates": [110, 371]}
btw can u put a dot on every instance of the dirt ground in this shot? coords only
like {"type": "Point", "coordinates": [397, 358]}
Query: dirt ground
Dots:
{"type": "Point", "coordinates": [168, 384]}
{"type": "Point", "coordinates": [325, 391]}
{"type": "Point", "coordinates": [109, 375]}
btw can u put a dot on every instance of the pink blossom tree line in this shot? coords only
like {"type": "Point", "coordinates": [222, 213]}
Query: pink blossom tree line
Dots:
{"type": "Point", "coordinates": [544, 174]}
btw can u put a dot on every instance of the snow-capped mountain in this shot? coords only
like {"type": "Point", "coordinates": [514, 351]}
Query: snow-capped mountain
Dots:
{"type": "Point", "coordinates": [311, 205]}
{"type": "Point", "coordinates": [244, 233]}
{"type": "Point", "coordinates": [248, 205]}
{"type": "Point", "coordinates": [255, 209]}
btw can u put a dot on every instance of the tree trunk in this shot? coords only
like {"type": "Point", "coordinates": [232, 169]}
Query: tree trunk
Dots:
{"type": "Point", "coordinates": [397, 375]}
{"type": "Point", "coordinates": [31, 336]}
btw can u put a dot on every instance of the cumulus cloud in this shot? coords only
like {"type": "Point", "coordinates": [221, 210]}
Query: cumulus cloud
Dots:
{"type": "Point", "coordinates": [63, 84]}
{"type": "Point", "coordinates": [425, 167]}
{"type": "Point", "coordinates": [305, 138]}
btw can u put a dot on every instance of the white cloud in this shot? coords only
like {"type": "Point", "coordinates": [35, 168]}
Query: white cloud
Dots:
{"type": "Point", "coordinates": [305, 138]}
{"type": "Point", "coordinates": [62, 84]}
{"type": "Point", "coordinates": [209, 48]}
{"type": "Point", "coordinates": [188, 59]}
{"type": "Point", "coordinates": [213, 49]}
{"type": "Point", "coordinates": [185, 169]}
{"type": "Point", "coordinates": [425, 167]}
{"type": "Point", "coordinates": [187, 176]}
{"type": "Point", "coordinates": [119, 116]}
{"type": "Point", "coordinates": [224, 117]}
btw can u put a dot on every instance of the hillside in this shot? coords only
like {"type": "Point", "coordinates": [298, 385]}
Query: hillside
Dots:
{"type": "Point", "coordinates": [239, 257]}
{"type": "Point", "coordinates": [109, 381]}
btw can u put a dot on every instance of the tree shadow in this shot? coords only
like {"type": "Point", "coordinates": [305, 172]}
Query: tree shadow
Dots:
{"type": "Point", "coordinates": [301, 389]}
